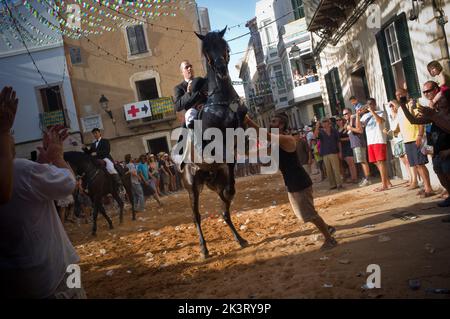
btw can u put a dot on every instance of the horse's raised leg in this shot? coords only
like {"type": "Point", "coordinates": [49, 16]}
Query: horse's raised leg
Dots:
{"type": "Point", "coordinates": [227, 218]}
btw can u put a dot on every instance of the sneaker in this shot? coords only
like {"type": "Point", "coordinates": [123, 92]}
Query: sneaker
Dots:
{"type": "Point", "coordinates": [365, 182]}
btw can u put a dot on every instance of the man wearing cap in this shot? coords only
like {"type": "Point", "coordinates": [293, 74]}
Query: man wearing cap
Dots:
{"type": "Point", "coordinates": [355, 103]}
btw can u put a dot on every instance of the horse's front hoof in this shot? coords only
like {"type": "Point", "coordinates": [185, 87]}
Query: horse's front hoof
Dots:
{"type": "Point", "coordinates": [205, 255]}
{"type": "Point", "coordinates": [111, 227]}
{"type": "Point", "coordinates": [94, 234]}
{"type": "Point", "coordinates": [243, 243]}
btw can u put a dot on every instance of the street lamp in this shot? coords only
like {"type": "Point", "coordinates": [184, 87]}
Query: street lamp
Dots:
{"type": "Point", "coordinates": [104, 105]}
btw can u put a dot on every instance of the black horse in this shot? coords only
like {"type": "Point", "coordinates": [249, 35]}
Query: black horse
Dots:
{"type": "Point", "coordinates": [216, 113]}
{"type": "Point", "coordinates": [99, 184]}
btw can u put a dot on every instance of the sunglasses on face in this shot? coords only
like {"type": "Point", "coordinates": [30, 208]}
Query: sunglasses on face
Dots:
{"type": "Point", "coordinates": [346, 114]}
{"type": "Point", "coordinates": [187, 66]}
{"type": "Point", "coordinates": [428, 91]}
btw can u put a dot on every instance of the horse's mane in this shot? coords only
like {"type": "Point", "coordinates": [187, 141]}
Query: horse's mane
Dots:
{"type": "Point", "coordinates": [76, 157]}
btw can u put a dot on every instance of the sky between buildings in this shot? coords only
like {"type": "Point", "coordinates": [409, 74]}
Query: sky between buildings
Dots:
{"type": "Point", "coordinates": [234, 14]}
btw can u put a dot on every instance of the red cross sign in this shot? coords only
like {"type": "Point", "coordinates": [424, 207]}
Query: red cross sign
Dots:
{"type": "Point", "coordinates": [133, 111]}
{"type": "Point", "coordinates": [137, 110]}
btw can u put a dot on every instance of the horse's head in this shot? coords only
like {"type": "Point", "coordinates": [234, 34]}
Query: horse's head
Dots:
{"type": "Point", "coordinates": [217, 52]}
{"type": "Point", "coordinates": [78, 161]}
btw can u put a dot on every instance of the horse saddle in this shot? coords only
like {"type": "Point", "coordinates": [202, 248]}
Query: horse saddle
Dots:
{"type": "Point", "coordinates": [100, 163]}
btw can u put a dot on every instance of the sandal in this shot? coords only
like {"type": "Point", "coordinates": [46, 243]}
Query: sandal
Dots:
{"type": "Point", "coordinates": [380, 189]}
{"type": "Point", "coordinates": [426, 195]}
{"type": "Point", "coordinates": [421, 192]}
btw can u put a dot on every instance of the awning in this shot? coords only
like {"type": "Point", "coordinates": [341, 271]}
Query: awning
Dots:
{"type": "Point", "coordinates": [329, 15]}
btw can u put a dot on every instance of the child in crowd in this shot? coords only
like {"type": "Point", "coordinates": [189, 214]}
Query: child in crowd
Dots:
{"type": "Point", "coordinates": [436, 69]}
{"type": "Point", "coordinates": [315, 146]}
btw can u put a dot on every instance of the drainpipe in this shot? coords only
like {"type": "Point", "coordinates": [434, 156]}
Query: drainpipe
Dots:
{"type": "Point", "coordinates": [442, 20]}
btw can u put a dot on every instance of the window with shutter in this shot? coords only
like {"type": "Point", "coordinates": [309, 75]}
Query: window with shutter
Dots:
{"type": "Point", "coordinates": [338, 90]}
{"type": "Point", "coordinates": [136, 39]}
{"type": "Point", "coordinates": [388, 76]}
{"type": "Point", "coordinates": [397, 58]}
{"type": "Point", "coordinates": [299, 11]}
{"type": "Point", "coordinates": [407, 56]}
{"type": "Point", "coordinates": [330, 90]}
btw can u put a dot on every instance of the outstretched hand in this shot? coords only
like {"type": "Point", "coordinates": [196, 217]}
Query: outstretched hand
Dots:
{"type": "Point", "coordinates": [52, 146]}
{"type": "Point", "coordinates": [8, 109]}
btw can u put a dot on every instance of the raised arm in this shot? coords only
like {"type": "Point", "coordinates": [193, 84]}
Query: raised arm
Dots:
{"type": "Point", "coordinates": [287, 142]}
{"type": "Point", "coordinates": [411, 118]}
{"type": "Point", "coordinates": [8, 108]}
{"type": "Point", "coordinates": [378, 118]}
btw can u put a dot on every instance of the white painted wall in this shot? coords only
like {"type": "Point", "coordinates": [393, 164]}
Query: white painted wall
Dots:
{"type": "Point", "coordinates": [19, 72]}
{"type": "Point", "coordinates": [424, 39]}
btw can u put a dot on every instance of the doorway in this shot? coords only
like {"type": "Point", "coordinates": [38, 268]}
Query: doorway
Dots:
{"type": "Point", "coordinates": [359, 85]}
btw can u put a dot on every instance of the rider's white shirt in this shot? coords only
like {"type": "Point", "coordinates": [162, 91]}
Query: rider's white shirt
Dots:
{"type": "Point", "coordinates": [34, 248]}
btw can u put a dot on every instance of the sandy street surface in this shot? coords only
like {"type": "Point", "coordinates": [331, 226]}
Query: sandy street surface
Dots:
{"type": "Point", "coordinates": [158, 256]}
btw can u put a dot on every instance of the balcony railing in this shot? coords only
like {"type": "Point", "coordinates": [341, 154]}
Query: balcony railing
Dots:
{"type": "Point", "coordinates": [305, 92]}
{"type": "Point", "coordinates": [299, 80]}
{"type": "Point", "coordinates": [162, 110]}
{"type": "Point", "coordinates": [48, 119]}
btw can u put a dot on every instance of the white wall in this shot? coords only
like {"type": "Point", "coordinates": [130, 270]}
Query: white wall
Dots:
{"type": "Point", "coordinates": [423, 33]}
{"type": "Point", "coordinates": [19, 72]}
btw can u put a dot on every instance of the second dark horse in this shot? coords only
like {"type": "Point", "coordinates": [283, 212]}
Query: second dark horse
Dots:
{"type": "Point", "coordinates": [99, 184]}
{"type": "Point", "coordinates": [216, 113]}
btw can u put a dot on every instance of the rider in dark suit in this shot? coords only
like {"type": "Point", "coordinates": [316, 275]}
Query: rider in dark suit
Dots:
{"type": "Point", "coordinates": [102, 149]}
{"type": "Point", "coordinates": [190, 93]}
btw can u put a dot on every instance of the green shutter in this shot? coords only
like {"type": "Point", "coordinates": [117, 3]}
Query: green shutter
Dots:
{"type": "Point", "coordinates": [388, 76]}
{"type": "Point", "coordinates": [406, 52]}
{"type": "Point", "coordinates": [331, 95]}
{"type": "Point", "coordinates": [338, 90]}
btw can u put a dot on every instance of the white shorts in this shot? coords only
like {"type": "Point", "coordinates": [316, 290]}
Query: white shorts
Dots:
{"type": "Point", "coordinates": [190, 115]}
{"type": "Point", "coordinates": [110, 166]}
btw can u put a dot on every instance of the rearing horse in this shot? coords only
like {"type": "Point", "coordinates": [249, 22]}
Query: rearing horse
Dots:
{"type": "Point", "coordinates": [216, 113]}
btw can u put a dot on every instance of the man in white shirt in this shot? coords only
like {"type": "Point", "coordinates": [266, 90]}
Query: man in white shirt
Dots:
{"type": "Point", "coordinates": [35, 251]}
{"type": "Point", "coordinates": [373, 122]}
